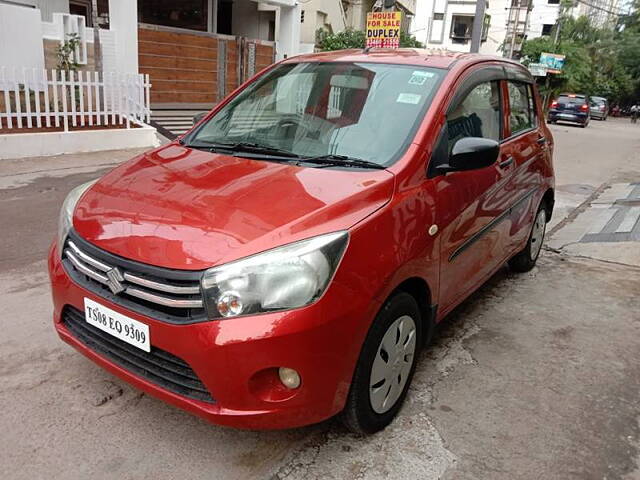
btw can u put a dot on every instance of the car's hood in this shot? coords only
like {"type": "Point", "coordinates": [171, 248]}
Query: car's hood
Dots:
{"type": "Point", "coordinates": [187, 209]}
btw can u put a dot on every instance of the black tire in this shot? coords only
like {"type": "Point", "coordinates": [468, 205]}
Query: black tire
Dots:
{"type": "Point", "coordinates": [524, 260]}
{"type": "Point", "coordinates": [358, 414]}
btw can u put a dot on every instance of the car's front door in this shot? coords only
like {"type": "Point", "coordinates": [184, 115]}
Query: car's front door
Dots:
{"type": "Point", "coordinates": [472, 205]}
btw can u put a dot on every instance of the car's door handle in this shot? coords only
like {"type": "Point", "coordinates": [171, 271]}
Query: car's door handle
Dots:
{"type": "Point", "coordinates": [542, 140]}
{"type": "Point", "coordinates": [505, 163]}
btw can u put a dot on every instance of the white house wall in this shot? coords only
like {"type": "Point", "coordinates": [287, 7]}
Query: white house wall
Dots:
{"type": "Point", "coordinates": [108, 46]}
{"type": "Point", "coordinates": [542, 14]}
{"type": "Point", "coordinates": [248, 21]}
{"type": "Point", "coordinates": [499, 12]}
{"type": "Point", "coordinates": [334, 18]}
{"type": "Point", "coordinates": [20, 38]}
{"type": "Point", "coordinates": [47, 7]}
{"type": "Point", "coordinates": [437, 30]}
{"type": "Point", "coordinates": [123, 21]}
{"type": "Point", "coordinates": [421, 20]}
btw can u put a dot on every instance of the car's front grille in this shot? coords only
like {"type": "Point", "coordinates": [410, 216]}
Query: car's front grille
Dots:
{"type": "Point", "coordinates": [158, 367]}
{"type": "Point", "coordinates": [164, 294]}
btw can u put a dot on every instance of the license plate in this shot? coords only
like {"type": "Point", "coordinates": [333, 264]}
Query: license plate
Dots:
{"type": "Point", "coordinates": [120, 326]}
{"type": "Point", "coordinates": [565, 115]}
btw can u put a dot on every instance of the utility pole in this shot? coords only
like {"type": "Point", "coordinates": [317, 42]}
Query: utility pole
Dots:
{"type": "Point", "coordinates": [97, 50]}
{"type": "Point", "coordinates": [526, 19]}
{"type": "Point", "coordinates": [477, 28]}
{"type": "Point", "coordinates": [514, 27]}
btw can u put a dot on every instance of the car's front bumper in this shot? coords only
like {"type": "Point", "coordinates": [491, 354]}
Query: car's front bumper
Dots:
{"type": "Point", "coordinates": [237, 359]}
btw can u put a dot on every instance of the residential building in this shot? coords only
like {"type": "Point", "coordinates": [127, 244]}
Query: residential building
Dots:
{"type": "Point", "coordinates": [534, 18]}
{"type": "Point", "coordinates": [600, 13]}
{"type": "Point", "coordinates": [30, 31]}
{"type": "Point", "coordinates": [356, 12]}
{"type": "Point", "coordinates": [195, 51]}
{"type": "Point", "coordinates": [543, 18]}
{"type": "Point", "coordinates": [320, 14]}
{"type": "Point", "coordinates": [448, 24]}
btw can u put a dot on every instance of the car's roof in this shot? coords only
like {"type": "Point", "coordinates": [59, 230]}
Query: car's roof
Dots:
{"type": "Point", "coordinates": [410, 56]}
{"type": "Point", "coordinates": [599, 98]}
{"type": "Point", "coordinates": [577, 95]}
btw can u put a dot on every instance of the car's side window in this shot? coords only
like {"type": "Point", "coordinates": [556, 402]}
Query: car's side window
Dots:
{"type": "Point", "coordinates": [478, 115]}
{"type": "Point", "coordinates": [522, 114]}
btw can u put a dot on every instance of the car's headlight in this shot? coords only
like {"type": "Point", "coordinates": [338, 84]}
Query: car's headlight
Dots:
{"type": "Point", "coordinates": [286, 277]}
{"type": "Point", "coordinates": [66, 212]}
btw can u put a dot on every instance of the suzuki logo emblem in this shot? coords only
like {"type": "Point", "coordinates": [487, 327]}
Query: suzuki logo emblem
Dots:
{"type": "Point", "coordinates": [114, 280]}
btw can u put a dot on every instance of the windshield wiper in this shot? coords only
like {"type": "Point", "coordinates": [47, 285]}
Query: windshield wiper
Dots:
{"type": "Point", "coordinates": [249, 147]}
{"type": "Point", "coordinates": [327, 160]}
{"type": "Point", "coordinates": [341, 160]}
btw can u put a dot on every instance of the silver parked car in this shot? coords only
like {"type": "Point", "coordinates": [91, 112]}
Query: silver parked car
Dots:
{"type": "Point", "coordinates": [599, 108]}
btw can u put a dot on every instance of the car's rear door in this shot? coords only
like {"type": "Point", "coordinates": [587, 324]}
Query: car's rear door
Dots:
{"type": "Point", "coordinates": [472, 205]}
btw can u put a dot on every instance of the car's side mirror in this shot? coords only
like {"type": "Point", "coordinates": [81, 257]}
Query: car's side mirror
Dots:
{"type": "Point", "coordinates": [471, 153]}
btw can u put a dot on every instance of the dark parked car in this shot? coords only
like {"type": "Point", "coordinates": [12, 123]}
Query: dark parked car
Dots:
{"type": "Point", "coordinates": [599, 107]}
{"type": "Point", "coordinates": [570, 107]}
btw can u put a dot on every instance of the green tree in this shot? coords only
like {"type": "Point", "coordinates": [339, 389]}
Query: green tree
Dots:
{"type": "Point", "coordinates": [65, 53]}
{"type": "Point", "coordinates": [599, 61]}
{"type": "Point", "coordinates": [346, 39]}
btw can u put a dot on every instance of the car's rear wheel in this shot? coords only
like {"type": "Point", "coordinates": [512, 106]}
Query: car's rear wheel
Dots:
{"type": "Point", "coordinates": [385, 367]}
{"type": "Point", "coordinates": [527, 258]}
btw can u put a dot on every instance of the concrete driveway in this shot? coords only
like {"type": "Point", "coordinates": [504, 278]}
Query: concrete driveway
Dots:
{"type": "Point", "coordinates": [536, 376]}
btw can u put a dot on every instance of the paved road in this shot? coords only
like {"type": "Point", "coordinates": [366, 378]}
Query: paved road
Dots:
{"type": "Point", "coordinates": [535, 376]}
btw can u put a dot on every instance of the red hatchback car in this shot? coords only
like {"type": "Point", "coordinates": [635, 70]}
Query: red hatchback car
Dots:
{"type": "Point", "coordinates": [286, 259]}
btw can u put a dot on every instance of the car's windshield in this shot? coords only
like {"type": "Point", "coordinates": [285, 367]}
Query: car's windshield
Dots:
{"type": "Point", "coordinates": [367, 111]}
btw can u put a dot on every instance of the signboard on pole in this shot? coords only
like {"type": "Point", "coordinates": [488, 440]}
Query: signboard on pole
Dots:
{"type": "Point", "coordinates": [538, 69]}
{"type": "Point", "coordinates": [383, 29]}
{"type": "Point", "coordinates": [553, 62]}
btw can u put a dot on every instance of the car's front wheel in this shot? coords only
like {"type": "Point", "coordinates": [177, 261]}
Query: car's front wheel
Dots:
{"type": "Point", "coordinates": [385, 367]}
{"type": "Point", "coordinates": [527, 258]}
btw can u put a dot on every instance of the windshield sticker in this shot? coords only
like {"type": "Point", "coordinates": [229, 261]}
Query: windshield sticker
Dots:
{"type": "Point", "coordinates": [419, 77]}
{"type": "Point", "coordinates": [411, 98]}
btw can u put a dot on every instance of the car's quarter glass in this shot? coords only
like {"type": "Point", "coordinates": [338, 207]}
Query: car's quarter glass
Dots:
{"type": "Point", "coordinates": [285, 261]}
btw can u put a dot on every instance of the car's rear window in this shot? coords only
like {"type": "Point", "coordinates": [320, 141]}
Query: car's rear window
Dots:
{"type": "Point", "coordinates": [564, 99]}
